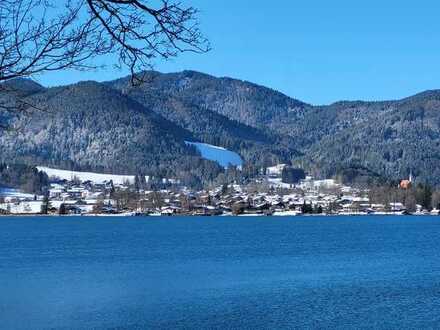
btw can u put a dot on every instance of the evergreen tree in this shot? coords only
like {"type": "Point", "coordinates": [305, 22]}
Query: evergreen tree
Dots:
{"type": "Point", "coordinates": [46, 204]}
{"type": "Point", "coordinates": [292, 175]}
{"type": "Point", "coordinates": [137, 183]}
{"type": "Point", "coordinates": [306, 208]}
{"type": "Point", "coordinates": [62, 210]}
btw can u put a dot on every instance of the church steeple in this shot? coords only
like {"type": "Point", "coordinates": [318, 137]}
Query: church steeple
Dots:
{"type": "Point", "coordinates": [406, 184]}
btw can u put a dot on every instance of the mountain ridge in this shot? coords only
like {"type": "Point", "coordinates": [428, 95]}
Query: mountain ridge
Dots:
{"type": "Point", "coordinates": [263, 125]}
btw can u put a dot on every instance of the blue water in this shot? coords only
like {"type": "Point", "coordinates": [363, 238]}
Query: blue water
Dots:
{"type": "Point", "coordinates": [220, 273]}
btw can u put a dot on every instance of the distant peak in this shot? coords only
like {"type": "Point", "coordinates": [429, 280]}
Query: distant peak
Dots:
{"type": "Point", "coordinates": [428, 94]}
{"type": "Point", "coordinates": [23, 86]}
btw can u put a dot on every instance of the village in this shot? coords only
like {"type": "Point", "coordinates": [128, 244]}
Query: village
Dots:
{"type": "Point", "coordinates": [267, 195]}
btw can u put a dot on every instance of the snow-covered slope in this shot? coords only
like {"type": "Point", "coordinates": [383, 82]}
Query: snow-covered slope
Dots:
{"type": "Point", "coordinates": [15, 193]}
{"type": "Point", "coordinates": [218, 154]}
{"type": "Point", "coordinates": [276, 170]}
{"type": "Point", "coordinates": [86, 176]}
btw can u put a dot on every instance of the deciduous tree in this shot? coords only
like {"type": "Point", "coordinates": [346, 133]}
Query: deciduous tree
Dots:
{"type": "Point", "coordinates": [38, 36]}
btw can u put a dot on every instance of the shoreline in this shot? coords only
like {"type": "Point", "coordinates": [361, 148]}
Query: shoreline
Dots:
{"type": "Point", "coordinates": [124, 215]}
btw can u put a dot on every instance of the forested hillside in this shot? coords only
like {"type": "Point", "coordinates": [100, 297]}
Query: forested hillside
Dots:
{"type": "Point", "coordinates": [25, 177]}
{"type": "Point", "coordinates": [238, 100]}
{"type": "Point", "coordinates": [120, 128]}
{"type": "Point", "coordinates": [90, 126]}
{"type": "Point", "coordinates": [258, 146]}
{"type": "Point", "coordinates": [388, 138]}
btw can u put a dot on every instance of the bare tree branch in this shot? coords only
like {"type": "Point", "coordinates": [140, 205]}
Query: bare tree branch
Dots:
{"type": "Point", "coordinates": [37, 36]}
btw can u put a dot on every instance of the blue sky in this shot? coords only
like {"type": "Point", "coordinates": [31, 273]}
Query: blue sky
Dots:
{"type": "Point", "coordinates": [318, 51]}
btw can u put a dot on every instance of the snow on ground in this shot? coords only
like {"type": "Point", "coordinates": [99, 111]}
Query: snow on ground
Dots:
{"type": "Point", "coordinates": [277, 182]}
{"type": "Point", "coordinates": [86, 176]}
{"type": "Point", "coordinates": [286, 213]}
{"type": "Point", "coordinates": [15, 193]}
{"type": "Point", "coordinates": [276, 170]}
{"type": "Point", "coordinates": [220, 155]}
{"type": "Point", "coordinates": [29, 207]}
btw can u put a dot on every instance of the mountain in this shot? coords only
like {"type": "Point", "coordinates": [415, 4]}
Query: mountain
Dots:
{"type": "Point", "coordinates": [245, 102]}
{"type": "Point", "coordinates": [169, 96]}
{"type": "Point", "coordinates": [121, 128]}
{"type": "Point", "coordinates": [90, 126]}
{"type": "Point", "coordinates": [392, 138]}
{"type": "Point", "coordinates": [388, 138]}
{"type": "Point", "coordinates": [100, 127]}
{"type": "Point", "coordinates": [22, 87]}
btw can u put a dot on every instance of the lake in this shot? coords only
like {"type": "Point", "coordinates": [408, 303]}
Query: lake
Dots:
{"type": "Point", "coordinates": [219, 272]}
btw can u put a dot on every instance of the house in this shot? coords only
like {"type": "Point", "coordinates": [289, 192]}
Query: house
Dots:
{"type": "Point", "coordinates": [397, 207]}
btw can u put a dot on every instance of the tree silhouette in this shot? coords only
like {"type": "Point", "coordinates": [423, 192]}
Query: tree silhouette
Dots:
{"type": "Point", "coordinates": [37, 36]}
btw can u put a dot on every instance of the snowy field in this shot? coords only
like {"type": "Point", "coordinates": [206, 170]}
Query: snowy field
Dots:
{"type": "Point", "coordinates": [218, 154]}
{"type": "Point", "coordinates": [15, 193]}
{"type": "Point", "coordinates": [86, 176]}
{"type": "Point", "coordinates": [28, 207]}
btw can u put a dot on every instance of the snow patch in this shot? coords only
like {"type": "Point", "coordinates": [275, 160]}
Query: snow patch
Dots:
{"type": "Point", "coordinates": [217, 154]}
{"type": "Point", "coordinates": [277, 182]}
{"type": "Point", "coordinates": [276, 170]}
{"type": "Point", "coordinates": [97, 178]}
{"type": "Point", "coordinates": [27, 207]}
{"type": "Point", "coordinates": [14, 193]}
